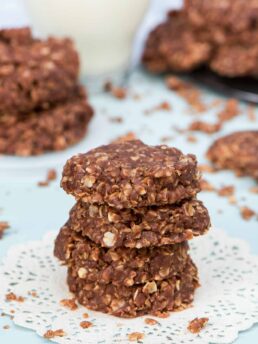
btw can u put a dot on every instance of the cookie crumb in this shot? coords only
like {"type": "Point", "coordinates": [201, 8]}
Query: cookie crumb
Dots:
{"type": "Point", "coordinates": [230, 110]}
{"type": "Point", "coordinates": [135, 336]}
{"type": "Point", "coordinates": [150, 321]}
{"type": "Point", "coordinates": [33, 293]}
{"type": "Point", "coordinates": [51, 174]}
{"type": "Point", "coordinates": [117, 92]}
{"type": "Point", "coordinates": [254, 189]}
{"type": "Point", "coordinates": [197, 324]}
{"type": "Point", "coordinates": [205, 127]}
{"type": "Point", "coordinates": [12, 297]}
{"type": "Point", "coordinates": [226, 191]}
{"type": "Point", "coordinates": [69, 303]}
{"type": "Point", "coordinates": [4, 225]}
{"type": "Point", "coordinates": [130, 136]}
{"type": "Point", "coordinates": [246, 213]}
{"type": "Point", "coordinates": [54, 333]}
{"type": "Point", "coordinates": [191, 138]}
{"type": "Point", "coordinates": [206, 186]}
{"type": "Point", "coordinates": [86, 324]}
{"type": "Point", "coordinates": [6, 327]}
{"type": "Point", "coordinates": [85, 315]}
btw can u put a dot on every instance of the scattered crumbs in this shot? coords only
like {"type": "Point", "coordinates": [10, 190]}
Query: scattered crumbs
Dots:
{"type": "Point", "coordinates": [4, 225]}
{"type": "Point", "coordinates": [197, 324]}
{"type": "Point", "coordinates": [12, 297]}
{"type": "Point", "coordinates": [165, 139]}
{"type": "Point", "coordinates": [6, 327]}
{"type": "Point", "coordinates": [54, 333]}
{"type": "Point", "coordinates": [116, 119]}
{"type": "Point", "coordinates": [85, 315]}
{"type": "Point", "coordinates": [86, 324]}
{"type": "Point", "coordinates": [206, 186]}
{"type": "Point", "coordinates": [226, 191]}
{"type": "Point", "coordinates": [69, 303]}
{"type": "Point", "coordinates": [251, 113]}
{"type": "Point", "coordinates": [150, 321]}
{"type": "Point", "coordinates": [230, 110]}
{"type": "Point", "coordinates": [254, 189]}
{"type": "Point", "coordinates": [51, 175]}
{"type": "Point", "coordinates": [127, 137]}
{"type": "Point", "coordinates": [191, 138]}
{"type": "Point", "coordinates": [163, 106]}
{"type": "Point", "coordinates": [246, 213]}
{"type": "Point", "coordinates": [117, 92]}
{"type": "Point", "coordinates": [206, 168]}
{"type": "Point", "coordinates": [33, 293]}
{"type": "Point", "coordinates": [135, 336]}
{"type": "Point", "coordinates": [205, 127]}
{"type": "Point", "coordinates": [187, 91]}
{"type": "Point", "coordinates": [162, 315]}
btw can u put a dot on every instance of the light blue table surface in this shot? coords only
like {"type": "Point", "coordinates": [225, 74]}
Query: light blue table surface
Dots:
{"type": "Point", "coordinates": [33, 211]}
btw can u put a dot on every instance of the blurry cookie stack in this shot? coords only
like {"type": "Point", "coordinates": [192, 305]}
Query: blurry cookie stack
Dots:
{"type": "Point", "coordinates": [125, 243]}
{"type": "Point", "coordinates": [42, 106]}
{"type": "Point", "coordinates": [221, 34]}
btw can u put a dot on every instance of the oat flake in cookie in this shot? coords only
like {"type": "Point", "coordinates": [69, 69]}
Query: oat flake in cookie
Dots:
{"type": "Point", "coordinates": [238, 152]}
{"type": "Point", "coordinates": [140, 227]}
{"type": "Point", "coordinates": [131, 174]}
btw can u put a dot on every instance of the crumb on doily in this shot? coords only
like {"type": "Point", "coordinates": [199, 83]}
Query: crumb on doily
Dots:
{"type": "Point", "coordinates": [85, 315]}
{"type": "Point", "coordinates": [69, 303]}
{"type": "Point", "coordinates": [192, 138]}
{"type": "Point", "coordinates": [51, 175]}
{"type": "Point", "coordinates": [165, 139]}
{"type": "Point", "coordinates": [4, 225]}
{"type": "Point", "coordinates": [13, 297]}
{"type": "Point", "coordinates": [246, 213]}
{"type": "Point", "coordinates": [197, 324]}
{"type": "Point", "coordinates": [54, 333]}
{"type": "Point", "coordinates": [163, 106]}
{"type": "Point", "coordinates": [116, 91]}
{"type": "Point", "coordinates": [135, 336]}
{"type": "Point", "coordinates": [85, 324]}
{"type": "Point", "coordinates": [6, 327]}
{"type": "Point", "coordinates": [254, 189]}
{"type": "Point", "coordinates": [150, 321]}
{"type": "Point", "coordinates": [33, 293]}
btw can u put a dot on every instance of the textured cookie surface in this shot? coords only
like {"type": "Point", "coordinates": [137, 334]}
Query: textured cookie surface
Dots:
{"type": "Point", "coordinates": [121, 266]}
{"type": "Point", "coordinates": [238, 152]}
{"type": "Point", "coordinates": [140, 227]}
{"type": "Point", "coordinates": [41, 131]}
{"type": "Point", "coordinates": [152, 297]}
{"type": "Point", "coordinates": [35, 73]}
{"type": "Point", "coordinates": [131, 174]}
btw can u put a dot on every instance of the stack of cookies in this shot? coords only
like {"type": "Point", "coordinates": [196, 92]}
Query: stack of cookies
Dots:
{"type": "Point", "coordinates": [125, 243]}
{"type": "Point", "coordinates": [42, 106]}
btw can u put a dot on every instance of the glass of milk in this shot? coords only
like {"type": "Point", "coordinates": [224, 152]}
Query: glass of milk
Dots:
{"type": "Point", "coordinates": [103, 31]}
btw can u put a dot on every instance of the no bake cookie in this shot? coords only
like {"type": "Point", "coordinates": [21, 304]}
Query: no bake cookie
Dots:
{"type": "Point", "coordinates": [131, 174]}
{"type": "Point", "coordinates": [238, 152]}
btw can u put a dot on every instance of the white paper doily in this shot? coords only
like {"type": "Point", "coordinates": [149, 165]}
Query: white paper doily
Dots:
{"type": "Point", "coordinates": [228, 296]}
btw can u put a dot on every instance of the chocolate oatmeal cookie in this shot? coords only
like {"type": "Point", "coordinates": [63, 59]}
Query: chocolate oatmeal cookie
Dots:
{"type": "Point", "coordinates": [35, 74]}
{"type": "Point", "coordinates": [152, 297]}
{"type": "Point", "coordinates": [238, 152]}
{"type": "Point", "coordinates": [174, 45]}
{"type": "Point", "coordinates": [131, 174]}
{"type": "Point", "coordinates": [121, 266]}
{"type": "Point", "coordinates": [140, 227]}
{"type": "Point", "coordinates": [41, 131]}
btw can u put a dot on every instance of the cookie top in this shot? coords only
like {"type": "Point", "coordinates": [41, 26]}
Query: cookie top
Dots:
{"type": "Point", "coordinates": [131, 174]}
{"type": "Point", "coordinates": [237, 151]}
